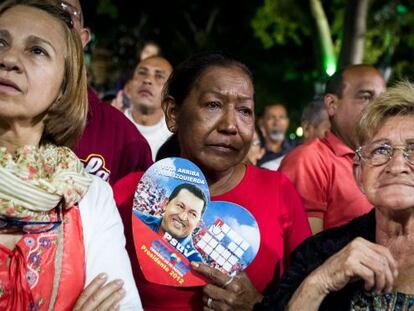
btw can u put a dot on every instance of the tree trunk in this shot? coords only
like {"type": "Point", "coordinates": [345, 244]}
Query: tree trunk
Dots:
{"type": "Point", "coordinates": [328, 54]}
{"type": "Point", "coordinates": [352, 51]}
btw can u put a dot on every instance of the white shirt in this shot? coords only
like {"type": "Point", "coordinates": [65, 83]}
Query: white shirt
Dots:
{"type": "Point", "coordinates": [104, 241]}
{"type": "Point", "coordinates": [273, 164]}
{"type": "Point", "coordinates": [155, 135]}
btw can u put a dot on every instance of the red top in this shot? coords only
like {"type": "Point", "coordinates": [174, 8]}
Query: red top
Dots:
{"type": "Point", "coordinates": [27, 271]}
{"type": "Point", "coordinates": [111, 147]}
{"type": "Point", "coordinates": [282, 222]}
{"type": "Point", "coordinates": [322, 172]}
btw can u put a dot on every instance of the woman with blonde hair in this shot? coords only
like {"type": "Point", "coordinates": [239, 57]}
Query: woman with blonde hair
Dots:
{"type": "Point", "coordinates": [367, 264]}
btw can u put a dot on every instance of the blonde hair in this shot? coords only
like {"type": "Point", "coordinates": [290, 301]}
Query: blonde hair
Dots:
{"type": "Point", "coordinates": [396, 101]}
{"type": "Point", "coordinates": [65, 119]}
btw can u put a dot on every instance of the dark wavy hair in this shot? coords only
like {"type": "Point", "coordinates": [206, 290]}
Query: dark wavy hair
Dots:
{"type": "Point", "coordinates": [187, 74]}
{"type": "Point", "coordinates": [183, 79]}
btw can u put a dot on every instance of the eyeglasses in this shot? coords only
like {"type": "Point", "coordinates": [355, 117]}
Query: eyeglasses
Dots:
{"type": "Point", "coordinates": [15, 225]}
{"type": "Point", "coordinates": [379, 153]}
{"type": "Point", "coordinates": [74, 12]}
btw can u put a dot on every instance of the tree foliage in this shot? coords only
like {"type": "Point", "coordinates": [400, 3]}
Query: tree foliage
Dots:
{"type": "Point", "coordinates": [291, 23]}
{"type": "Point", "coordinates": [277, 39]}
{"type": "Point", "coordinates": [389, 33]}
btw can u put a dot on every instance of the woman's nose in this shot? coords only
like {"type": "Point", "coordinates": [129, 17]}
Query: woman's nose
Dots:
{"type": "Point", "coordinates": [398, 163]}
{"type": "Point", "coordinates": [228, 122]}
{"type": "Point", "coordinates": [9, 61]}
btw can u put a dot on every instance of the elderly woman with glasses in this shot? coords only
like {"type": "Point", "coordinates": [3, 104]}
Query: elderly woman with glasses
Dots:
{"type": "Point", "coordinates": [59, 227]}
{"type": "Point", "coordinates": [367, 264]}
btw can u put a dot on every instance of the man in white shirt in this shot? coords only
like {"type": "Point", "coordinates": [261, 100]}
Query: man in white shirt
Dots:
{"type": "Point", "coordinates": [145, 95]}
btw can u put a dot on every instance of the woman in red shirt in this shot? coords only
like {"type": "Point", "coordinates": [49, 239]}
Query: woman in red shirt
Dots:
{"type": "Point", "coordinates": [208, 104]}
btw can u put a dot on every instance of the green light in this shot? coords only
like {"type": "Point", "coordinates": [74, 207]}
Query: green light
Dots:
{"type": "Point", "coordinates": [330, 69]}
{"type": "Point", "coordinates": [329, 64]}
{"type": "Point", "coordinates": [401, 9]}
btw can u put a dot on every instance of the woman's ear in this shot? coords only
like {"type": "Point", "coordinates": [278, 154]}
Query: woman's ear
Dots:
{"type": "Point", "coordinates": [171, 113]}
{"type": "Point", "coordinates": [85, 36]}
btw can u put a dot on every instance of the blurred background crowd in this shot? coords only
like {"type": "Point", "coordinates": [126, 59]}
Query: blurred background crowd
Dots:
{"type": "Point", "coordinates": [291, 46]}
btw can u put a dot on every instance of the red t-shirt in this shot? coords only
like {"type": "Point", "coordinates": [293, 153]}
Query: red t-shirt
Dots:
{"type": "Point", "coordinates": [111, 147]}
{"type": "Point", "coordinates": [282, 222]}
{"type": "Point", "coordinates": [322, 172]}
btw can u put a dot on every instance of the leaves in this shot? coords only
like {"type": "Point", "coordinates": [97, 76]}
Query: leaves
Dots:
{"type": "Point", "coordinates": [106, 7]}
{"type": "Point", "coordinates": [279, 22]}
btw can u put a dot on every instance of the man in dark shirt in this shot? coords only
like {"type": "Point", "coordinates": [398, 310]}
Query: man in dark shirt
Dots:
{"type": "Point", "coordinates": [275, 125]}
{"type": "Point", "coordinates": [111, 146]}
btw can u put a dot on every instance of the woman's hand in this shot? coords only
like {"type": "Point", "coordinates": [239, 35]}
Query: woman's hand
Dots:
{"type": "Point", "coordinates": [99, 295]}
{"type": "Point", "coordinates": [360, 259]}
{"type": "Point", "coordinates": [226, 293]}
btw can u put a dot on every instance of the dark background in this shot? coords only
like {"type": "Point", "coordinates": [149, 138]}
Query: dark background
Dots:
{"type": "Point", "coordinates": [290, 73]}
